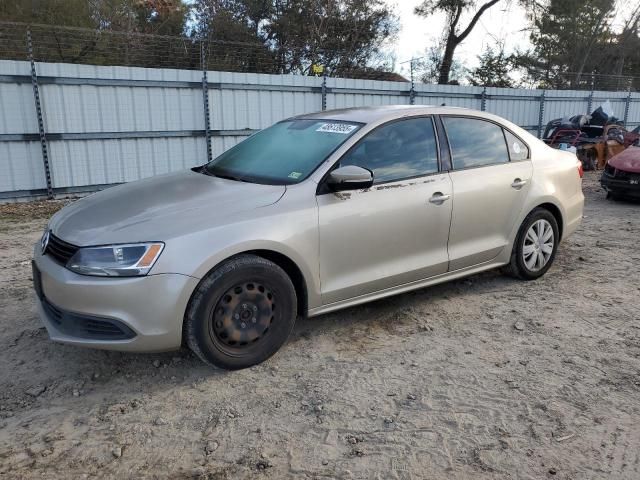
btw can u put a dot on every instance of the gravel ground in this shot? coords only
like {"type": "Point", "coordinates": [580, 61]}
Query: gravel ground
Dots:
{"type": "Point", "coordinates": [486, 377]}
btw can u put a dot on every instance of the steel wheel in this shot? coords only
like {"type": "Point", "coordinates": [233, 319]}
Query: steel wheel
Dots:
{"type": "Point", "coordinates": [243, 315]}
{"type": "Point", "coordinates": [538, 245]}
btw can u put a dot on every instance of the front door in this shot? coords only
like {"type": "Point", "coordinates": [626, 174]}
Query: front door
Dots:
{"type": "Point", "coordinates": [396, 232]}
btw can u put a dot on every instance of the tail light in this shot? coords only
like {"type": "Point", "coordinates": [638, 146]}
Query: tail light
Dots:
{"type": "Point", "coordinates": [580, 170]}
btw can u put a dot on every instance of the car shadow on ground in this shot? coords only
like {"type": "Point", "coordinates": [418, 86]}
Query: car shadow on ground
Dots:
{"type": "Point", "coordinates": [626, 200]}
{"type": "Point", "coordinates": [74, 368]}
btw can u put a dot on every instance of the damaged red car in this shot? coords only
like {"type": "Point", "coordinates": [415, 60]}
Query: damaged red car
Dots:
{"type": "Point", "coordinates": [621, 176]}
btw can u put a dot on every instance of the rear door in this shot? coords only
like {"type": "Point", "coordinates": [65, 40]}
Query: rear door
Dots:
{"type": "Point", "coordinates": [491, 175]}
{"type": "Point", "coordinates": [391, 233]}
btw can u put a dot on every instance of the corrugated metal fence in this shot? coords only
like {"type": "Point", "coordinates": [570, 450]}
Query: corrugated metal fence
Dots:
{"type": "Point", "coordinates": [108, 125]}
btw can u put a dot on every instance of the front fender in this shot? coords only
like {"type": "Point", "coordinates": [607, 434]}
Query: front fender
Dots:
{"type": "Point", "coordinates": [289, 229]}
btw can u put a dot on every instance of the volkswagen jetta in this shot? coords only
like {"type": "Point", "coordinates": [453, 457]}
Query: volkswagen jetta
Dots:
{"type": "Point", "coordinates": [313, 214]}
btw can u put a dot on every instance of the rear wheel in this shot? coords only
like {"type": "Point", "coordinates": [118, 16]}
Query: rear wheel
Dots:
{"type": "Point", "coordinates": [536, 245]}
{"type": "Point", "coordinates": [241, 313]}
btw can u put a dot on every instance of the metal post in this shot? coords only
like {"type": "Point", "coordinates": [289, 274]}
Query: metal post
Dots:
{"type": "Point", "coordinates": [627, 105]}
{"type": "Point", "coordinates": [36, 97]}
{"type": "Point", "coordinates": [483, 100]}
{"type": "Point", "coordinates": [324, 90]}
{"type": "Point", "coordinates": [412, 91]}
{"type": "Point", "coordinates": [205, 100]}
{"type": "Point", "coordinates": [590, 100]}
{"type": "Point", "coordinates": [541, 113]}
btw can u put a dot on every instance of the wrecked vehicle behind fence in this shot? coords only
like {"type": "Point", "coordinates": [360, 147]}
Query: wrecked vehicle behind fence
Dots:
{"type": "Point", "coordinates": [596, 137]}
{"type": "Point", "coordinates": [595, 154]}
{"type": "Point", "coordinates": [621, 176]}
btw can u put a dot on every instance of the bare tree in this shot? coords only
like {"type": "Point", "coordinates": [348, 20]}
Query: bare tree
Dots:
{"type": "Point", "coordinates": [454, 34]}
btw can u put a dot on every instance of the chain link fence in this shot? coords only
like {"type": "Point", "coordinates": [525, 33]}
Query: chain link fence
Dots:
{"type": "Point", "coordinates": [58, 44]}
{"type": "Point", "coordinates": [103, 47]}
{"type": "Point", "coordinates": [593, 81]}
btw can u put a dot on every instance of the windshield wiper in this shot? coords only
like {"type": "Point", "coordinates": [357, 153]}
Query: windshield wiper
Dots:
{"type": "Point", "coordinates": [205, 171]}
{"type": "Point", "coordinates": [228, 177]}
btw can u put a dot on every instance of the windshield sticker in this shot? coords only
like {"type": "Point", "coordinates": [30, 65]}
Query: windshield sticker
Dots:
{"type": "Point", "coordinates": [295, 175]}
{"type": "Point", "coordinates": [343, 128]}
{"type": "Point", "coordinates": [516, 147]}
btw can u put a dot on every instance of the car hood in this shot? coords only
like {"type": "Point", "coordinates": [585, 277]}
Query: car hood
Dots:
{"type": "Point", "coordinates": [159, 208]}
{"type": "Point", "coordinates": [628, 160]}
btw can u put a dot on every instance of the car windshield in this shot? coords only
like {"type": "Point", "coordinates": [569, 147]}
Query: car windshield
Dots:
{"type": "Point", "coordinates": [285, 153]}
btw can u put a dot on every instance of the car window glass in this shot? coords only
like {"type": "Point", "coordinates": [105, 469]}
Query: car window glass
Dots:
{"type": "Point", "coordinates": [518, 150]}
{"type": "Point", "coordinates": [398, 150]}
{"type": "Point", "coordinates": [284, 153]}
{"type": "Point", "coordinates": [475, 142]}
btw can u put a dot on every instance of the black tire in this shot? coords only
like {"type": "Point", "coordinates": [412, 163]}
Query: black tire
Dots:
{"type": "Point", "coordinates": [613, 196]}
{"type": "Point", "coordinates": [217, 328]}
{"type": "Point", "coordinates": [517, 266]}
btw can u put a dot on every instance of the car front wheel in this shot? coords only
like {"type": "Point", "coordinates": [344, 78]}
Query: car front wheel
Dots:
{"type": "Point", "coordinates": [241, 313]}
{"type": "Point", "coordinates": [536, 245]}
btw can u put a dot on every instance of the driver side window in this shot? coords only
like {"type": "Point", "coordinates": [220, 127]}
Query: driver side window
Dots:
{"type": "Point", "coordinates": [397, 150]}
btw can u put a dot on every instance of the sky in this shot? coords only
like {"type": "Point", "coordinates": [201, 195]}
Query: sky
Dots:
{"type": "Point", "coordinates": [503, 23]}
{"type": "Point", "coordinates": [498, 24]}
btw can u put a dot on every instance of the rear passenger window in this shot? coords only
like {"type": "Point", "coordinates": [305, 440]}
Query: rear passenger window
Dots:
{"type": "Point", "coordinates": [475, 142]}
{"type": "Point", "coordinates": [398, 150]}
{"type": "Point", "coordinates": [518, 150]}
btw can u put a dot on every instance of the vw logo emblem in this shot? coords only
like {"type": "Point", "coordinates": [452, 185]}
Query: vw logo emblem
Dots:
{"type": "Point", "coordinates": [45, 241]}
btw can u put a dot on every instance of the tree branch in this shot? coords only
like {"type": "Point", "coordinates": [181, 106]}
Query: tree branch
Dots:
{"type": "Point", "coordinates": [456, 18]}
{"type": "Point", "coordinates": [475, 19]}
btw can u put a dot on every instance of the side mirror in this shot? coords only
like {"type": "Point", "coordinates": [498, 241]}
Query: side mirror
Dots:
{"type": "Point", "coordinates": [350, 177]}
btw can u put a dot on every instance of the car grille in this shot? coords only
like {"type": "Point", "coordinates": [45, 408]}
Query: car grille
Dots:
{"type": "Point", "coordinates": [60, 250]}
{"type": "Point", "coordinates": [88, 327]}
{"type": "Point", "coordinates": [622, 175]}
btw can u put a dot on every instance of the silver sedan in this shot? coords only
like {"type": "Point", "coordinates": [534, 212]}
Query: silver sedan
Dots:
{"type": "Point", "coordinates": [313, 214]}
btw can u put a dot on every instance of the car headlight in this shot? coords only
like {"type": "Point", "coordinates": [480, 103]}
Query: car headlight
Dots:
{"type": "Point", "coordinates": [116, 260]}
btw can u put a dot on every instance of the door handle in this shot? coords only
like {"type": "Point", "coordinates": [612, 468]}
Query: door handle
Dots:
{"type": "Point", "coordinates": [439, 198]}
{"type": "Point", "coordinates": [518, 184]}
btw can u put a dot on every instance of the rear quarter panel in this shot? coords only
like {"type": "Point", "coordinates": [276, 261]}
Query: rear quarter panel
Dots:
{"type": "Point", "coordinates": [556, 181]}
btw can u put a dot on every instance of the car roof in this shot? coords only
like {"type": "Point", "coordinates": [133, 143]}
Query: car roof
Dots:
{"type": "Point", "coordinates": [387, 112]}
{"type": "Point", "coordinates": [377, 115]}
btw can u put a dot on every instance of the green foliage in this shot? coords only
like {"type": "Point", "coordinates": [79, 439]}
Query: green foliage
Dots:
{"type": "Point", "coordinates": [427, 68]}
{"type": "Point", "coordinates": [112, 32]}
{"type": "Point", "coordinates": [166, 17]}
{"type": "Point", "coordinates": [450, 7]}
{"type": "Point", "coordinates": [569, 40]}
{"type": "Point", "coordinates": [270, 36]}
{"type": "Point", "coordinates": [493, 70]}
{"type": "Point", "coordinates": [342, 35]}
{"type": "Point", "coordinates": [75, 13]}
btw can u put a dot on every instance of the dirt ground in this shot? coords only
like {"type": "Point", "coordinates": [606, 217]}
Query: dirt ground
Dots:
{"type": "Point", "coordinates": [486, 377]}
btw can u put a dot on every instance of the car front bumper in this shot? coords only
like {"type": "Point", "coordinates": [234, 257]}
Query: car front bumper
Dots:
{"type": "Point", "coordinates": [141, 314]}
{"type": "Point", "coordinates": [627, 187]}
